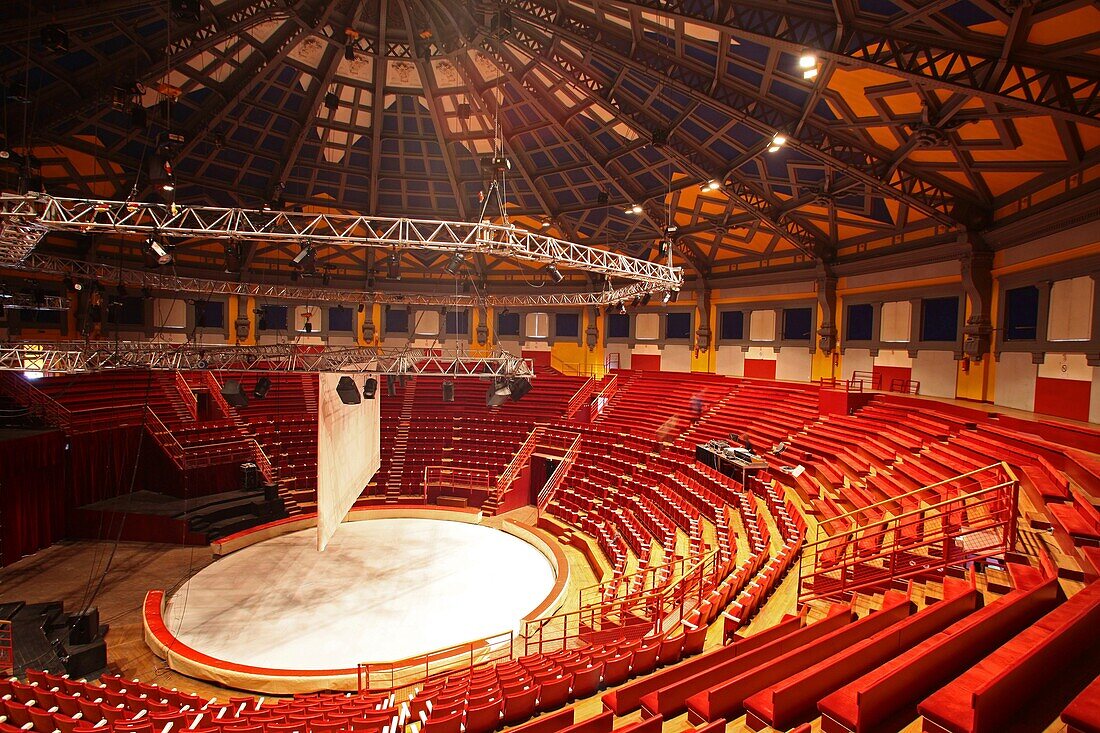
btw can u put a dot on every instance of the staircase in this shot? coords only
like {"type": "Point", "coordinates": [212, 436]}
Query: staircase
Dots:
{"type": "Point", "coordinates": [395, 480]}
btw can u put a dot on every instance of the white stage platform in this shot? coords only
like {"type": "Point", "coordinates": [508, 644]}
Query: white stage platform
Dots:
{"type": "Point", "coordinates": [384, 590]}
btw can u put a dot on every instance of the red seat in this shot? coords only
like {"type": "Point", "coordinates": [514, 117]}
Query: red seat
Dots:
{"type": "Point", "coordinates": [451, 723]}
{"type": "Point", "coordinates": [554, 693]}
{"type": "Point", "coordinates": [485, 717]}
{"type": "Point", "coordinates": [520, 706]}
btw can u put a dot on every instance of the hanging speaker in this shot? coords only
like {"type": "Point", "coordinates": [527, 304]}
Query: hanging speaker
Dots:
{"type": "Point", "coordinates": [448, 391]}
{"type": "Point", "coordinates": [348, 391]}
{"type": "Point", "coordinates": [233, 394]}
{"type": "Point", "coordinates": [263, 385]}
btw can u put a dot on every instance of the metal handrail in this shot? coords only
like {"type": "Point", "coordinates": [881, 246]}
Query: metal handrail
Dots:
{"type": "Point", "coordinates": [546, 494]}
{"type": "Point", "coordinates": [579, 398]}
{"type": "Point", "coordinates": [189, 399]}
{"type": "Point", "coordinates": [54, 412]}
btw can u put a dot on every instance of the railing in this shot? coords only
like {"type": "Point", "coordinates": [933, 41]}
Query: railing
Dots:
{"type": "Point", "coordinates": [413, 671]}
{"type": "Point", "coordinates": [189, 399]}
{"type": "Point", "coordinates": [523, 454]}
{"type": "Point", "coordinates": [215, 389]}
{"type": "Point", "coordinates": [654, 609]}
{"type": "Point", "coordinates": [546, 493]}
{"type": "Point", "coordinates": [847, 385]}
{"type": "Point", "coordinates": [966, 526]}
{"type": "Point", "coordinates": [595, 371]}
{"type": "Point", "coordinates": [905, 386]}
{"type": "Point", "coordinates": [610, 389]}
{"type": "Point", "coordinates": [30, 396]}
{"type": "Point", "coordinates": [867, 380]}
{"type": "Point", "coordinates": [7, 649]}
{"type": "Point", "coordinates": [475, 484]}
{"type": "Point", "coordinates": [579, 398]}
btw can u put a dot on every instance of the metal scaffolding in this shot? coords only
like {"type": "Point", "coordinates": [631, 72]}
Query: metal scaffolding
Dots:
{"type": "Point", "coordinates": [76, 357]}
{"type": "Point", "coordinates": [317, 229]}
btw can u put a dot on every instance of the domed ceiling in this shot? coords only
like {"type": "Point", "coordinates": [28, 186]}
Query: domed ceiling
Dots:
{"type": "Point", "coordinates": [757, 136]}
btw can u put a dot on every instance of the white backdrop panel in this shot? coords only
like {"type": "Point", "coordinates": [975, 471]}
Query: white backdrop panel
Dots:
{"type": "Point", "coordinates": [349, 451]}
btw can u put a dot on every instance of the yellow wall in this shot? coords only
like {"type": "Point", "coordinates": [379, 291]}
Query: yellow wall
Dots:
{"type": "Point", "coordinates": [569, 355]}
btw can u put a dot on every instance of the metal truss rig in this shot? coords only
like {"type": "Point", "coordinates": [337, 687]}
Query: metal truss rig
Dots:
{"type": "Point", "coordinates": [76, 357]}
{"type": "Point", "coordinates": [338, 230]}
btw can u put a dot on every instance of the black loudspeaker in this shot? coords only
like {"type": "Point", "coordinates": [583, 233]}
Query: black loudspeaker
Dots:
{"type": "Point", "coordinates": [250, 477]}
{"type": "Point", "coordinates": [520, 387]}
{"type": "Point", "coordinates": [271, 492]}
{"type": "Point", "coordinates": [370, 388]}
{"type": "Point", "coordinates": [85, 627]}
{"type": "Point", "coordinates": [263, 385]}
{"type": "Point", "coordinates": [349, 393]}
{"type": "Point", "coordinates": [233, 394]}
{"type": "Point", "coordinates": [84, 659]}
{"type": "Point", "coordinates": [448, 391]}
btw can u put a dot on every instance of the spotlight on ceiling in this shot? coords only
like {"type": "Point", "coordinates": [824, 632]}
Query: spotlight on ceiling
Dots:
{"type": "Point", "coordinates": [554, 273]}
{"type": "Point", "coordinates": [393, 266]}
{"type": "Point", "coordinates": [670, 296]}
{"type": "Point", "coordinates": [635, 209]}
{"type": "Point", "coordinates": [498, 393]}
{"type": "Point", "coordinates": [645, 299]}
{"type": "Point", "coordinates": [448, 391]}
{"type": "Point", "coordinates": [622, 309]}
{"type": "Point", "coordinates": [158, 249]}
{"type": "Point", "coordinates": [370, 388]}
{"type": "Point", "coordinates": [778, 141]}
{"type": "Point", "coordinates": [263, 386]}
{"type": "Point", "coordinates": [168, 186]}
{"type": "Point", "coordinates": [712, 185]}
{"type": "Point", "coordinates": [303, 253]}
{"type": "Point", "coordinates": [331, 101]}
{"type": "Point", "coordinates": [454, 265]}
{"type": "Point", "coordinates": [808, 63]}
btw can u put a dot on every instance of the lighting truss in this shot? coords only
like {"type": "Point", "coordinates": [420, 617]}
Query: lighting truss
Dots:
{"type": "Point", "coordinates": [167, 282]}
{"type": "Point", "coordinates": [75, 357]}
{"type": "Point", "coordinates": [340, 230]}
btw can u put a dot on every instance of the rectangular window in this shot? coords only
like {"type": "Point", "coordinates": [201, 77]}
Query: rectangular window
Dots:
{"type": "Point", "coordinates": [458, 322]}
{"type": "Point", "coordinates": [762, 326]}
{"type": "Point", "coordinates": [1021, 314]}
{"type": "Point", "coordinates": [678, 325]}
{"type": "Point", "coordinates": [567, 325]}
{"type": "Point", "coordinates": [273, 318]}
{"type": "Point", "coordinates": [797, 324]}
{"type": "Point", "coordinates": [731, 325]}
{"type": "Point", "coordinates": [860, 322]}
{"type": "Point", "coordinates": [507, 323]}
{"type": "Point", "coordinates": [127, 310]}
{"type": "Point", "coordinates": [341, 319]}
{"type": "Point", "coordinates": [618, 325]}
{"type": "Point", "coordinates": [209, 314]}
{"type": "Point", "coordinates": [940, 319]}
{"type": "Point", "coordinates": [538, 325]}
{"type": "Point", "coordinates": [397, 320]}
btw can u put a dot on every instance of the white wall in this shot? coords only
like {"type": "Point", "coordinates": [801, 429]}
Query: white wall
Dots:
{"type": "Point", "coordinates": [937, 373]}
{"type": "Point", "coordinates": [676, 358]}
{"type": "Point", "coordinates": [730, 361]}
{"type": "Point", "coordinates": [1015, 383]}
{"type": "Point", "coordinates": [856, 360]}
{"type": "Point", "coordinates": [794, 363]}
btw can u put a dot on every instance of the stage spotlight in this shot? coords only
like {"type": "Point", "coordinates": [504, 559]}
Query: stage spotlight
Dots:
{"type": "Point", "coordinates": [778, 141]}
{"type": "Point", "coordinates": [622, 309]}
{"type": "Point", "coordinates": [303, 253]}
{"type": "Point", "coordinates": [554, 272]}
{"type": "Point", "coordinates": [455, 263]}
{"type": "Point", "coordinates": [263, 385]}
{"type": "Point", "coordinates": [370, 388]}
{"type": "Point", "coordinates": [391, 386]}
{"type": "Point", "coordinates": [645, 299]}
{"type": "Point", "coordinates": [498, 393]}
{"type": "Point", "coordinates": [519, 388]}
{"type": "Point", "coordinates": [348, 391]}
{"type": "Point", "coordinates": [393, 267]}
{"type": "Point", "coordinates": [163, 255]}
{"type": "Point", "coordinates": [711, 185]}
{"type": "Point", "coordinates": [635, 209]}
{"type": "Point", "coordinates": [448, 391]}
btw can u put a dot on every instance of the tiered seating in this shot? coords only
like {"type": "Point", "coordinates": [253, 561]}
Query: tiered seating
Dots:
{"type": "Point", "coordinates": [631, 410]}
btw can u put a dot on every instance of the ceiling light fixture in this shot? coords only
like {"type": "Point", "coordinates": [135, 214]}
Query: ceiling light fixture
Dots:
{"type": "Point", "coordinates": [555, 273]}
{"type": "Point", "coordinates": [635, 209]}
{"type": "Point", "coordinates": [162, 253]}
{"type": "Point", "coordinates": [303, 253]}
{"type": "Point", "coordinates": [455, 265]}
{"type": "Point", "coordinates": [808, 63]}
{"type": "Point", "coordinates": [712, 185]}
{"type": "Point", "coordinates": [778, 141]}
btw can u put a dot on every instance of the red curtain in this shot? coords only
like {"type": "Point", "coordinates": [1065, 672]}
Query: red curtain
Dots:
{"type": "Point", "coordinates": [33, 481]}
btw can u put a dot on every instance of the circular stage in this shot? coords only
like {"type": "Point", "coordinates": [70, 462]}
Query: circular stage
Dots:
{"type": "Point", "coordinates": [384, 590]}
